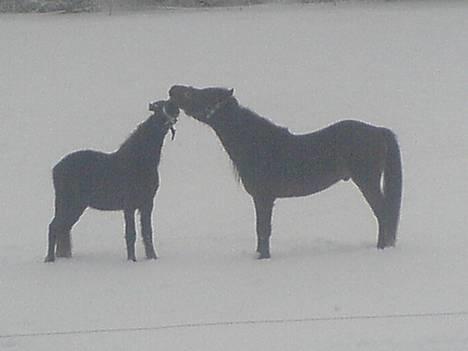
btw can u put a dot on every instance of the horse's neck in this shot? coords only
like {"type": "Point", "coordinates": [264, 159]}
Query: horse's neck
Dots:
{"type": "Point", "coordinates": [242, 137]}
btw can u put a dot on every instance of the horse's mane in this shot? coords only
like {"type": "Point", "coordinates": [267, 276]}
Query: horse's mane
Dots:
{"type": "Point", "coordinates": [252, 133]}
{"type": "Point", "coordinates": [255, 122]}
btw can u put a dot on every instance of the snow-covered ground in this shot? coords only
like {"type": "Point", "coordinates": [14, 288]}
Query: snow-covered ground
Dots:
{"type": "Point", "coordinates": [84, 81]}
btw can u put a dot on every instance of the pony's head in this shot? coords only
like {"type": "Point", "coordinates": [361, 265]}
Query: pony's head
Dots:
{"type": "Point", "coordinates": [167, 110]}
{"type": "Point", "coordinates": [201, 104]}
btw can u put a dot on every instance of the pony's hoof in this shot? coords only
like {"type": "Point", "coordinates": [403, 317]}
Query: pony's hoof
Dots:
{"type": "Point", "coordinates": [64, 255]}
{"type": "Point", "coordinates": [390, 243]}
{"type": "Point", "coordinates": [382, 246]}
{"type": "Point", "coordinates": [49, 259]}
{"type": "Point", "coordinates": [151, 255]}
{"type": "Point", "coordinates": [264, 255]}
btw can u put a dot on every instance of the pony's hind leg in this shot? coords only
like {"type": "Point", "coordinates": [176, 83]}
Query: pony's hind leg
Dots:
{"type": "Point", "coordinates": [130, 234]}
{"type": "Point", "coordinates": [370, 188]}
{"type": "Point", "coordinates": [52, 239]}
{"type": "Point", "coordinates": [147, 231]}
{"type": "Point", "coordinates": [64, 245]}
{"type": "Point", "coordinates": [60, 232]}
{"type": "Point", "coordinates": [72, 215]}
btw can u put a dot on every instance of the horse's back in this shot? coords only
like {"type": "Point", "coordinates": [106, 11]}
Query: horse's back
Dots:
{"type": "Point", "coordinates": [356, 136]}
{"type": "Point", "coordinates": [362, 147]}
{"type": "Point", "coordinates": [357, 128]}
{"type": "Point", "coordinates": [330, 154]}
{"type": "Point", "coordinates": [327, 143]}
{"type": "Point", "coordinates": [345, 134]}
{"type": "Point", "coordinates": [341, 128]}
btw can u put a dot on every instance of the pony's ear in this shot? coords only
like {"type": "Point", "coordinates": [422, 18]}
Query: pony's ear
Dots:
{"type": "Point", "coordinates": [231, 92]}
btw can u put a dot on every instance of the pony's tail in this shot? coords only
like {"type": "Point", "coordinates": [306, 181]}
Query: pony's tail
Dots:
{"type": "Point", "coordinates": [57, 177]}
{"type": "Point", "coordinates": [392, 188]}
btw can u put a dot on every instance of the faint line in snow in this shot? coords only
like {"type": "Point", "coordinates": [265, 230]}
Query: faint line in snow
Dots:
{"type": "Point", "coordinates": [235, 323]}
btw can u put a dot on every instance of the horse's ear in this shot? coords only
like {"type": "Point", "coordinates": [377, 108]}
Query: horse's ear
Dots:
{"type": "Point", "coordinates": [231, 92]}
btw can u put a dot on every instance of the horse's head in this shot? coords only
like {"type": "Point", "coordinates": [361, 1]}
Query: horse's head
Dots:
{"type": "Point", "coordinates": [167, 110]}
{"type": "Point", "coordinates": [200, 103]}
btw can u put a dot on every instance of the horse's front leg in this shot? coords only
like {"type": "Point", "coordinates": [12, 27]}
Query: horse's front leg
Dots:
{"type": "Point", "coordinates": [263, 210]}
{"type": "Point", "coordinates": [130, 234]}
{"type": "Point", "coordinates": [147, 230]}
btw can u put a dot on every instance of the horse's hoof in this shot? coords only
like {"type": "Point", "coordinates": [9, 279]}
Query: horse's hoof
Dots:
{"type": "Point", "coordinates": [49, 259]}
{"type": "Point", "coordinates": [264, 255]}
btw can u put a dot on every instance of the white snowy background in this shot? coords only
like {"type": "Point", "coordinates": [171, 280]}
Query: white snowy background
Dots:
{"type": "Point", "coordinates": [71, 82]}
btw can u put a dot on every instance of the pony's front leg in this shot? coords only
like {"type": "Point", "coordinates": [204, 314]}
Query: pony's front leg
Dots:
{"type": "Point", "coordinates": [147, 230]}
{"type": "Point", "coordinates": [130, 233]}
{"type": "Point", "coordinates": [263, 210]}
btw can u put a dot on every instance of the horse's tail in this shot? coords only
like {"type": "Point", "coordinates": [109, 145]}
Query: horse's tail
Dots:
{"type": "Point", "coordinates": [392, 188]}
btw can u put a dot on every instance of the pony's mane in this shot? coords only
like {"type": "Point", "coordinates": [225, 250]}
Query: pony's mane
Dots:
{"type": "Point", "coordinates": [139, 134]}
{"type": "Point", "coordinates": [134, 135]}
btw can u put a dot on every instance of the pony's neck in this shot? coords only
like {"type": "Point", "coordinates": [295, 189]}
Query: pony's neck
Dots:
{"type": "Point", "coordinates": [146, 142]}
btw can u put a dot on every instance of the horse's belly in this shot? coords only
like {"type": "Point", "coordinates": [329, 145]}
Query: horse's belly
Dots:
{"type": "Point", "coordinates": [307, 186]}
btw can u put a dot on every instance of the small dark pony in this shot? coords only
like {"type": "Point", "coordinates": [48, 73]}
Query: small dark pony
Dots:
{"type": "Point", "coordinates": [274, 163]}
{"type": "Point", "coordinates": [126, 179]}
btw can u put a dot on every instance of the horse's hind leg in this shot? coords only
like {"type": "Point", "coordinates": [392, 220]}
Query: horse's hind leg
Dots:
{"type": "Point", "coordinates": [130, 234]}
{"type": "Point", "coordinates": [370, 188]}
{"type": "Point", "coordinates": [263, 210]}
{"type": "Point", "coordinates": [147, 230]}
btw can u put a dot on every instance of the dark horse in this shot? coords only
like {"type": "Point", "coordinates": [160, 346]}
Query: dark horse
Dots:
{"type": "Point", "coordinates": [273, 163]}
{"type": "Point", "coordinates": [126, 179]}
